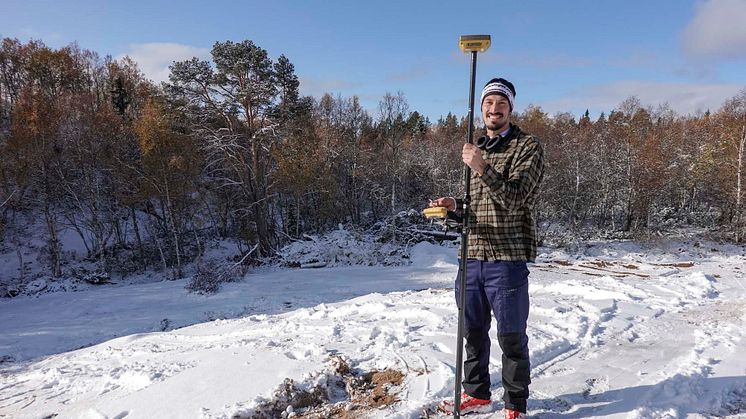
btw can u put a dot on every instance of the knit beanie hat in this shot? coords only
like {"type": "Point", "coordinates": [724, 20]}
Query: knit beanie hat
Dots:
{"type": "Point", "coordinates": [500, 87]}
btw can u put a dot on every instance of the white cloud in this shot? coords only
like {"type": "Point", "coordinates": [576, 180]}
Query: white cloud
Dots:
{"type": "Point", "coordinates": [683, 98]}
{"type": "Point", "coordinates": [717, 30]}
{"type": "Point", "coordinates": [154, 58]}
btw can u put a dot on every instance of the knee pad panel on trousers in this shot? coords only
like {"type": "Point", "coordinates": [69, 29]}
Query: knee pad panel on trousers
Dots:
{"type": "Point", "coordinates": [475, 339]}
{"type": "Point", "coordinates": [513, 345]}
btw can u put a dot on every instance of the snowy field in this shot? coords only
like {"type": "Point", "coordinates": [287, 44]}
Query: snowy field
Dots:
{"type": "Point", "coordinates": [615, 330]}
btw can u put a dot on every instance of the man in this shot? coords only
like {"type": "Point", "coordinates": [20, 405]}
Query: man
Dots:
{"type": "Point", "coordinates": [507, 167]}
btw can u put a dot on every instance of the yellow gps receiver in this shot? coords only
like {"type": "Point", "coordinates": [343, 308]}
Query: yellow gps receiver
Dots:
{"type": "Point", "coordinates": [471, 43]}
{"type": "Point", "coordinates": [435, 212]}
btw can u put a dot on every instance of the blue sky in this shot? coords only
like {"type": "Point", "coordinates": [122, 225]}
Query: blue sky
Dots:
{"type": "Point", "coordinates": [561, 55]}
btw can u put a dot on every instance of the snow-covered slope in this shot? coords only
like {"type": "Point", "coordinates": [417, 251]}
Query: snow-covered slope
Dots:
{"type": "Point", "coordinates": [617, 331]}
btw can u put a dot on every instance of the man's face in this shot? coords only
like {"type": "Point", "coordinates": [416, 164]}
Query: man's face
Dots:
{"type": "Point", "coordinates": [496, 113]}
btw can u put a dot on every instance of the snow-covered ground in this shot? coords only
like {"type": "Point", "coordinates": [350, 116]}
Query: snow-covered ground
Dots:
{"type": "Point", "coordinates": [616, 330]}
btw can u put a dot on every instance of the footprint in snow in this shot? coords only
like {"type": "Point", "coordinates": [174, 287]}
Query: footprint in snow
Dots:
{"type": "Point", "coordinates": [560, 371]}
{"type": "Point", "coordinates": [438, 346]}
{"type": "Point", "coordinates": [595, 386]}
{"type": "Point", "coordinates": [299, 354]}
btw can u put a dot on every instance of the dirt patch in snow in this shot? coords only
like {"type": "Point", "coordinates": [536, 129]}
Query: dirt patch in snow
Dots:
{"type": "Point", "coordinates": [374, 389]}
{"type": "Point", "coordinates": [341, 392]}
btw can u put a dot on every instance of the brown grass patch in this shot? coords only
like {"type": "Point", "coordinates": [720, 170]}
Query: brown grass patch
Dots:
{"type": "Point", "coordinates": [562, 262]}
{"type": "Point", "coordinates": [600, 263]}
{"type": "Point", "coordinates": [678, 265]}
{"type": "Point", "coordinates": [614, 272]}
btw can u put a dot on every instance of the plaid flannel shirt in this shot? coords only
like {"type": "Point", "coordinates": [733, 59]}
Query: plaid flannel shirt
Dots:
{"type": "Point", "coordinates": [501, 223]}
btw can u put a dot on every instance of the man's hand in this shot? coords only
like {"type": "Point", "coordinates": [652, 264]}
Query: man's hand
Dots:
{"type": "Point", "coordinates": [471, 155]}
{"type": "Point", "coordinates": [448, 202]}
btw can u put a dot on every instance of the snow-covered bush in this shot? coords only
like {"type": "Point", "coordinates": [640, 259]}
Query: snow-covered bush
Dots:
{"type": "Point", "coordinates": [387, 242]}
{"type": "Point", "coordinates": [340, 247]}
{"type": "Point", "coordinates": [666, 219]}
{"type": "Point", "coordinates": [97, 277]}
{"type": "Point", "coordinates": [9, 290]}
{"type": "Point", "coordinates": [210, 274]}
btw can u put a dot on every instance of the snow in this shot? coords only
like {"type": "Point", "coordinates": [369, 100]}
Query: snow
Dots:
{"type": "Point", "coordinates": [25, 260]}
{"type": "Point", "coordinates": [342, 247]}
{"type": "Point", "coordinates": [617, 329]}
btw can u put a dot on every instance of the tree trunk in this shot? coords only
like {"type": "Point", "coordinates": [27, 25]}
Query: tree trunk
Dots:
{"type": "Point", "coordinates": [628, 222]}
{"type": "Point", "coordinates": [739, 189]}
{"type": "Point", "coordinates": [163, 256]}
{"type": "Point", "coordinates": [200, 250]}
{"type": "Point", "coordinates": [573, 210]}
{"type": "Point", "coordinates": [54, 242]}
{"type": "Point", "coordinates": [21, 267]}
{"type": "Point", "coordinates": [139, 238]}
{"type": "Point", "coordinates": [393, 197]}
{"type": "Point", "coordinates": [174, 231]}
{"type": "Point", "coordinates": [297, 216]}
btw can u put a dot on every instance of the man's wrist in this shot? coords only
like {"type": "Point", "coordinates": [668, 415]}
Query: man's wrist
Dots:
{"type": "Point", "coordinates": [480, 171]}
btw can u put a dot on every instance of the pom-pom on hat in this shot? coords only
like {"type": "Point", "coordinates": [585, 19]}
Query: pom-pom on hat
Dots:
{"type": "Point", "coordinates": [500, 87]}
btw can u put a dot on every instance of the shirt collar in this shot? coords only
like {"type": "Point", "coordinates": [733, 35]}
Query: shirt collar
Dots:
{"type": "Point", "coordinates": [506, 132]}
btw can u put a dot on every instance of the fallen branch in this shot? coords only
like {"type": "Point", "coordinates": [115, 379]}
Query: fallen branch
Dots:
{"type": "Point", "coordinates": [256, 246]}
{"type": "Point", "coordinates": [6, 201]}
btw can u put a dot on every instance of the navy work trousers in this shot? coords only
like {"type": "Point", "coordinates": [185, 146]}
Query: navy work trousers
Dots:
{"type": "Point", "coordinates": [499, 288]}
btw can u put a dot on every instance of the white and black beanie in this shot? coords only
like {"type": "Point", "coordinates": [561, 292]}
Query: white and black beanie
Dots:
{"type": "Point", "coordinates": [500, 87]}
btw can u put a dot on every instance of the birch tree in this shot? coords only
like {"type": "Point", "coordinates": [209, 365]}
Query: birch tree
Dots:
{"type": "Point", "coordinates": [732, 139]}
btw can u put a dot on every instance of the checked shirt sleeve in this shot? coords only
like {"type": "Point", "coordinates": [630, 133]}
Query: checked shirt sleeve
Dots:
{"type": "Point", "coordinates": [524, 176]}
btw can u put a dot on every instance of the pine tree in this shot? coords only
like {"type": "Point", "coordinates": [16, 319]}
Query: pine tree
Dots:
{"type": "Point", "coordinates": [120, 97]}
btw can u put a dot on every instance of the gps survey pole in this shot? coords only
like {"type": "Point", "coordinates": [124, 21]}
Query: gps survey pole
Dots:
{"type": "Point", "coordinates": [473, 44]}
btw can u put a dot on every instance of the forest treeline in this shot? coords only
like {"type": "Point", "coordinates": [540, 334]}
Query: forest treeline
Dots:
{"type": "Point", "coordinates": [230, 149]}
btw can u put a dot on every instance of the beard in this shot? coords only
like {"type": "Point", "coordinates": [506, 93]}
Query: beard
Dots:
{"type": "Point", "coordinates": [497, 125]}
